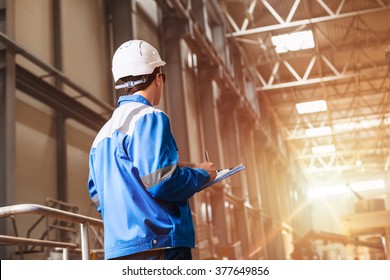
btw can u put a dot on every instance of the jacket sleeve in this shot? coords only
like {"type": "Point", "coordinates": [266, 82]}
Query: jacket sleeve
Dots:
{"type": "Point", "coordinates": [92, 189]}
{"type": "Point", "coordinates": [154, 153]}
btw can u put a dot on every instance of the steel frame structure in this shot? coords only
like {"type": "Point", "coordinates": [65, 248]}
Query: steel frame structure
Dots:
{"type": "Point", "coordinates": [347, 68]}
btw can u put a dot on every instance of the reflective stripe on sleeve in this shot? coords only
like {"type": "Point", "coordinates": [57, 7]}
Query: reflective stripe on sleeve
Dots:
{"type": "Point", "coordinates": [96, 201]}
{"type": "Point", "coordinates": [158, 176]}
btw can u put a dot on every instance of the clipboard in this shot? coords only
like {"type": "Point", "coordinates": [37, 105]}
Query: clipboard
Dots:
{"type": "Point", "coordinates": [223, 174]}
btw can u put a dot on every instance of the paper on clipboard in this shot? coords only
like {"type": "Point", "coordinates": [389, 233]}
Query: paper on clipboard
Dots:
{"type": "Point", "coordinates": [223, 174]}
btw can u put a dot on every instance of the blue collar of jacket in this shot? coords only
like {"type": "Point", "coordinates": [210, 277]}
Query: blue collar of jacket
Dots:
{"type": "Point", "coordinates": [133, 98]}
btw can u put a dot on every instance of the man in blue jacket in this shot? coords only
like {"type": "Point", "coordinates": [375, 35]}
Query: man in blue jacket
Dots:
{"type": "Point", "coordinates": [134, 177]}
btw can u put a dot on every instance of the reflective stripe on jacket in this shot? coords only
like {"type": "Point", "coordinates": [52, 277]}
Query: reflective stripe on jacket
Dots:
{"type": "Point", "coordinates": [136, 183]}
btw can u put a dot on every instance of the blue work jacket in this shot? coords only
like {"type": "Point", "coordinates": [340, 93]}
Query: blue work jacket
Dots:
{"type": "Point", "coordinates": [136, 183]}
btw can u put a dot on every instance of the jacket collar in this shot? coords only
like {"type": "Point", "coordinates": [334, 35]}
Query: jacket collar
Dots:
{"type": "Point", "coordinates": [133, 98]}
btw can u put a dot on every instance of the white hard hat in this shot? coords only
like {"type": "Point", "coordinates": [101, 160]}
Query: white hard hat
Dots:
{"type": "Point", "coordinates": [135, 58]}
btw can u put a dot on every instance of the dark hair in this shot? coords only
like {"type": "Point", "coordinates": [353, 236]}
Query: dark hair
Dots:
{"type": "Point", "coordinates": [142, 86]}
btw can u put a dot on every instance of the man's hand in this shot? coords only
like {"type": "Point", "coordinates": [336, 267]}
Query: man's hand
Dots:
{"type": "Point", "coordinates": [209, 167]}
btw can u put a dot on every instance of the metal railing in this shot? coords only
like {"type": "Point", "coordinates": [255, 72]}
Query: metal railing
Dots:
{"type": "Point", "coordinates": [84, 221]}
{"type": "Point", "coordinates": [57, 226]}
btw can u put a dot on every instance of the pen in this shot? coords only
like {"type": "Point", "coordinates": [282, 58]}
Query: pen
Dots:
{"type": "Point", "coordinates": [207, 155]}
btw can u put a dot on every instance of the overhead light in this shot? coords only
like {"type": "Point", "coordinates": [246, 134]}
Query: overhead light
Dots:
{"type": "Point", "coordinates": [318, 131]}
{"type": "Point", "coordinates": [323, 149]}
{"type": "Point", "coordinates": [293, 41]}
{"type": "Point", "coordinates": [342, 189]}
{"type": "Point", "coordinates": [311, 107]}
{"type": "Point", "coordinates": [362, 123]}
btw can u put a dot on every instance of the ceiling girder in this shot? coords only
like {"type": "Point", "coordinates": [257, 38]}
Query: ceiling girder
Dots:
{"type": "Point", "coordinates": [346, 68]}
{"type": "Point", "coordinates": [287, 24]}
{"type": "Point", "coordinates": [334, 72]}
{"type": "Point", "coordinates": [304, 81]}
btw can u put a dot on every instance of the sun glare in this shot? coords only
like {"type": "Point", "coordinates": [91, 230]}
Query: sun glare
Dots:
{"type": "Point", "coordinates": [316, 192]}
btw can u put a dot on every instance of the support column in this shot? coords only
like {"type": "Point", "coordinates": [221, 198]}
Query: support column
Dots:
{"type": "Point", "coordinates": [259, 144]}
{"type": "Point", "coordinates": [7, 120]}
{"type": "Point", "coordinates": [230, 158]}
{"type": "Point", "coordinates": [241, 213]}
{"type": "Point", "coordinates": [264, 175]}
{"type": "Point", "coordinates": [233, 155]}
{"type": "Point", "coordinates": [120, 19]}
{"type": "Point", "coordinates": [230, 140]}
{"type": "Point", "coordinates": [120, 25]}
{"type": "Point", "coordinates": [212, 142]}
{"type": "Point", "coordinates": [61, 154]}
{"type": "Point", "coordinates": [219, 215]}
{"type": "Point", "coordinates": [247, 126]}
{"type": "Point", "coordinates": [267, 190]}
{"type": "Point", "coordinates": [208, 111]}
{"type": "Point", "coordinates": [60, 118]}
{"type": "Point", "coordinates": [174, 88]}
{"type": "Point", "coordinates": [274, 234]}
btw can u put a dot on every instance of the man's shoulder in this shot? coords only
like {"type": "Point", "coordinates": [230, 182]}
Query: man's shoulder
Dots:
{"type": "Point", "coordinates": [127, 118]}
{"type": "Point", "coordinates": [135, 110]}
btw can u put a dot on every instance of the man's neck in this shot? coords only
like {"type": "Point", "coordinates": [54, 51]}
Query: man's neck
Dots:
{"type": "Point", "coordinates": [145, 95]}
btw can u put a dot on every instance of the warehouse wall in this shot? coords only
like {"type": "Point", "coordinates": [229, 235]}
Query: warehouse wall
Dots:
{"type": "Point", "coordinates": [35, 152]}
{"type": "Point", "coordinates": [35, 143]}
{"type": "Point", "coordinates": [79, 141]}
{"type": "Point", "coordinates": [85, 51]}
{"type": "Point", "coordinates": [33, 19]}
{"type": "Point", "coordinates": [86, 62]}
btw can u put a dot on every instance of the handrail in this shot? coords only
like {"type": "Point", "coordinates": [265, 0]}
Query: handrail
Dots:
{"type": "Point", "coordinates": [84, 221]}
{"type": "Point", "coordinates": [7, 211]}
{"type": "Point", "coordinates": [38, 242]}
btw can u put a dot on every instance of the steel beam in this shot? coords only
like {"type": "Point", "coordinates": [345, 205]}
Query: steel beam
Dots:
{"type": "Point", "coordinates": [50, 70]}
{"type": "Point", "coordinates": [48, 94]}
{"type": "Point", "coordinates": [293, 24]}
{"type": "Point", "coordinates": [306, 80]}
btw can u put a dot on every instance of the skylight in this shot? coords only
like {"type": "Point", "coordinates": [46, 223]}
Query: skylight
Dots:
{"type": "Point", "coordinates": [311, 107]}
{"type": "Point", "coordinates": [323, 149]}
{"type": "Point", "coordinates": [318, 131]}
{"type": "Point", "coordinates": [362, 123]}
{"type": "Point", "coordinates": [293, 41]}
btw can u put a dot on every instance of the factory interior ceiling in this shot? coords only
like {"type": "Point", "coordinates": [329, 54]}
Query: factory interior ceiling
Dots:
{"type": "Point", "coordinates": [340, 70]}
